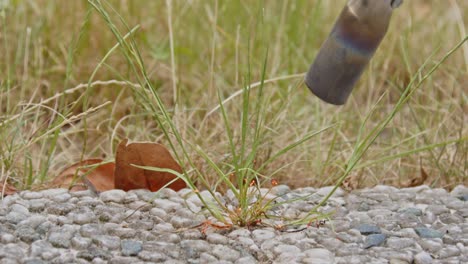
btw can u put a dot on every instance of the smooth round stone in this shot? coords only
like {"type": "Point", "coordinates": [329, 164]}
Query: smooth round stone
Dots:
{"type": "Point", "coordinates": [388, 254]}
{"type": "Point", "coordinates": [459, 190]}
{"type": "Point", "coordinates": [428, 218]}
{"type": "Point", "coordinates": [367, 229]}
{"type": "Point", "coordinates": [61, 198]}
{"type": "Point", "coordinates": [50, 193]}
{"type": "Point", "coordinates": [242, 232]}
{"type": "Point", "coordinates": [358, 218]}
{"type": "Point", "coordinates": [223, 252]}
{"type": "Point", "coordinates": [92, 253]}
{"type": "Point", "coordinates": [318, 255]}
{"type": "Point", "coordinates": [411, 210]}
{"type": "Point", "coordinates": [244, 242]}
{"type": "Point", "coordinates": [123, 232]}
{"type": "Point", "coordinates": [38, 205]}
{"type": "Point", "coordinates": [425, 232]}
{"type": "Point", "coordinates": [350, 249]}
{"type": "Point", "coordinates": [130, 197]}
{"type": "Point", "coordinates": [352, 236]}
{"type": "Point", "coordinates": [80, 242]}
{"type": "Point", "coordinates": [406, 232]}
{"type": "Point", "coordinates": [166, 205]}
{"type": "Point", "coordinates": [39, 247]}
{"type": "Point", "coordinates": [400, 243]}
{"type": "Point", "coordinates": [246, 260]}
{"type": "Point", "coordinates": [263, 234]}
{"type": "Point", "coordinates": [215, 238]}
{"type": "Point", "coordinates": [193, 248]}
{"type": "Point", "coordinates": [6, 238]}
{"type": "Point", "coordinates": [431, 245]}
{"type": "Point", "coordinates": [208, 258]}
{"type": "Point", "coordinates": [437, 209]}
{"type": "Point", "coordinates": [292, 238]}
{"type": "Point", "coordinates": [61, 237]}
{"type": "Point", "coordinates": [280, 190]}
{"type": "Point", "coordinates": [269, 245]}
{"type": "Point", "coordinates": [448, 218]}
{"type": "Point", "coordinates": [83, 217]}
{"type": "Point", "coordinates": [339, 225]}
{"type": "Point", "coordinates": [27, 234]}
{"type": "Point", "coordinates": [331, 243]}
{"type": "Point", "coordinates": [398, 261]}
{"type": "Point", "coordinates": [137, 221]}
{"type": "Point", "coordinates": [407, 220]}
{"type": "Point", "coordinates": [84, 193]}
{"type": "Point", "coordinates": [280, 249]}
{"type": "Point", "coordinates": [60, 208]}
{"type": "Point", "coordinates": [131, 247]}
{"type": "Point", "coordinates": [106, 241]}
{"type": "Point", "coordinates": [164, 227]}
{"type": "Point", "coordinates": [180, 222]}
{"type": "Point", "coordinates": [158, 212]}
{"type": "Point", "coordinates": [28, 195]}
{"type": "Point", "coordinates": [380, 213]}
{"type": "Point", "coordinates": [374, 240]}
{"type": "Point", "coordinates": [326, 190]}
{"type": "Point", "coordinates": [115, 196]}
{"type": "Point", "coordinates": [89, 230]}
{"type": "Point", "coordinates": [449, 251]}
{"type": "Point", "coordinates": [15, 217]}
{"type": "Point", "coordinates": [423, 258]}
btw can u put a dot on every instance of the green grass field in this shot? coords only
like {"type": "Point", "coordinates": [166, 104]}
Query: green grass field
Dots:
{"type": "Point", "coordinates": [68, 91]}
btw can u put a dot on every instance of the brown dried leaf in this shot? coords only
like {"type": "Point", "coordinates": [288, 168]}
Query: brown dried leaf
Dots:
{"type": "Point", "coordinates": [128, 177]}
{"type": "Point", "coordinates": [416, 181]}
{"type": "Point", "coordinates": [80, 176]}
{"type": "Point", "coordinates": [6, 189]}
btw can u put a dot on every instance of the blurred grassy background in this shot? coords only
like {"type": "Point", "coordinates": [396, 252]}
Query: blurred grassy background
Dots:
{"type": "Point", "coordinates": [49, 47]}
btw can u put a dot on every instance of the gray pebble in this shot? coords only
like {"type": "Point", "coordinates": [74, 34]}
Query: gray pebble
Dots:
{"type": "Point", "coordinates": [193, 248]}
{"type": "Point", "coordinates": [83, 216]}
{"type": "Point", "coordinates": [449, 251]}
{"type": "Point", "coordinates": [6, 238]}
{"type": "Point", "coordinates": [38, 205]}
{"type": "Point", "coordinates": [28, 195]}
{"type": "Point", "coordinates": [166, 205]}
{"type": "Point", "coordinates": [367, 229]}
{"type": "Point", "coordinates": [106, 241]}
{"type": "Point", "coordinates": [260, 235]}
{"type": "Point", "coordinates": [400, 243]}
{"type": "Point", "coordinates": [423, 258]}
{"type": "Point", "coordinates": [280, 249]}
{"type": "Point", "coordinates": [224, 252]}
{"type": "Point", "coordinates": [68, 227]}
{"type": "Point", "coordinates": [131, 247]}
{"type": "Point", "coordinates": [115, 196]}
{"type": "Point", "coordinates": [374, 240]}
{"type": "Point", "coordinates": [27, 234]}
{"type": "Point", "coordinates": [60, 208]}
{"type": "Point", "coordinates": [425, 232]}
{"type": "Point", "coordinates": [215, 238]}
{"type": "Point", "coordinates": [79, 242]}
{"type": "Point", "coordinates": [152, 256]}
{"type": "Point", "coordinates": [61, 197]}
{"type": "Point", "coordinates": [89, 230]}
{"type": "Point", "coordinates": [319, 255]}
{"type": "Point", "coordinates": [61, 237]}
{"type": "Point", "coordinates": [93, 253]}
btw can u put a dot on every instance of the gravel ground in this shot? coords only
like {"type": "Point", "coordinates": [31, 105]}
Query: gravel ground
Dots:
{"type": "Point", "coordinates": [378, 225]}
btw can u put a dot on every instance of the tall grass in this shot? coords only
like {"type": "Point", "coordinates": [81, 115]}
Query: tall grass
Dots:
{"type": "Point", "coordinates": [220, 83]}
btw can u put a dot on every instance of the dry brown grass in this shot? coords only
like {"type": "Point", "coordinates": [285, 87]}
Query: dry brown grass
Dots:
{"type": "Point", "coordinates": [49, 47]}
